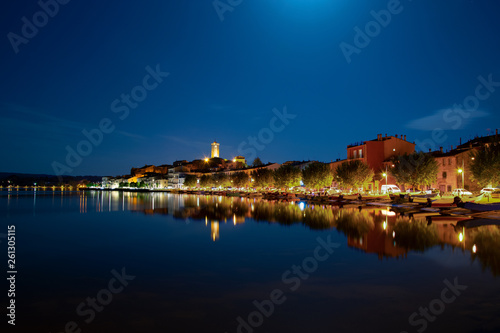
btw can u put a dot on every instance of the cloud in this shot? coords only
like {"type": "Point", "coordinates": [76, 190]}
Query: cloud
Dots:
{"type": "Point", "coordinates": [447, 119]}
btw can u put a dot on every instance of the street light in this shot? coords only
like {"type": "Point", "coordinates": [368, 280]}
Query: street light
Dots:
{"type": "Point", "coordinates": [462, 171]}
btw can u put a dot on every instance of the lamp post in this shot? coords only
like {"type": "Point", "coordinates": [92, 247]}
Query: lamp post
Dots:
{"type": "Point", "coordinates": [462, 171]}
{"type": "Point", "coordinates": [385, 175]}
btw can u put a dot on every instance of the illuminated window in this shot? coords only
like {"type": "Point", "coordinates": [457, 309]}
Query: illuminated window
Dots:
{"type": "Point", "coordinates": [361, 153]}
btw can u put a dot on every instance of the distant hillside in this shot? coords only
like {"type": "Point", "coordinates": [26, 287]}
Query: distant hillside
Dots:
{"type": "Point", "coordinates": [23, 179]}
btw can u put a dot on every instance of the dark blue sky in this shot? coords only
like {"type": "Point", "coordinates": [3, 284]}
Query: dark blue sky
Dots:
{"type": "Point", "coordinates": [226, 77]}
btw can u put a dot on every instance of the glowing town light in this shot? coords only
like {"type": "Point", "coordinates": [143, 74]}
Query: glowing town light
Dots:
{"type": "Point", "coordinates": [384, 225]}
{"type": "Point", "coordinates": [234, 160]}
{"type": "Point", "coordinates": [302, 206]}
{"type": "Point", "coordinates": [460, 237]}
{"type": "Point", "coordinates": [206, 159]}
{"type": "Point", "coordinates": [393, 234]}
{"type": "Point", "coordinates": [474, 249]}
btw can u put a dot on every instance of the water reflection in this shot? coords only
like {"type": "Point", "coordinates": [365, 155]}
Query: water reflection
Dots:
{"type": "Point", "coordinates": [372, 230]}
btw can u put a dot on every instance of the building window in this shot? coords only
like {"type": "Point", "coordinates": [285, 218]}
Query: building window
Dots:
{"type": "Point", "coordinates": [444, 161]}
{"type": "Point", "coordinates": [355, 154]}
{"type": "Point", "coordinates": [361, 153]}
{"type": "Point", "coordinates": [444, 174]}
{"type": "Point", "coordinates": [449, 161]}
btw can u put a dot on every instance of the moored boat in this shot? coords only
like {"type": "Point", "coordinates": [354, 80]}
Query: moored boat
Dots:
{"type": "Point", "coordinates": [481, 207]}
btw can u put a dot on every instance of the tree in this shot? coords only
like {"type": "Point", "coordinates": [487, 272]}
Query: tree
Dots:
{"type": "Point", "coordinates": [206, 181]}
{"type": "Point", "coordinates": [263, 177]}
{"type": "Point", "coordinates": [190, 180]}
{"type": "Point", "coordinates": [317, 175]}
{"type": "Point", "coordinates": [240, 179]}
{"type": "Point", "coordinates": [415, 169]}
{"type": "Point", "coordinates": [257, 162]}
{"type": "Point", "coordinates": [287, 176]}
{"type": "Point", "coordinates": [221, 179]}
{"type": "Point", "coordinates": [485, 167]}
{"type": "Point", "coordinates": [353, 174]}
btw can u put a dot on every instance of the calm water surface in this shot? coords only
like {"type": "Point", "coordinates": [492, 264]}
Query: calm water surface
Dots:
{"type": "Point", "coordinates": [211, 264]}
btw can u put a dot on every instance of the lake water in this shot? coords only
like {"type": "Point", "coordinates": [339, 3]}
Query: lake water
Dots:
{"type": "Point", "coordinates": [158, 262]}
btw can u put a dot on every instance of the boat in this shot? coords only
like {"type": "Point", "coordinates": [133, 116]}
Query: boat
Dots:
{"type": "Point", "coordinates": [481, 207]}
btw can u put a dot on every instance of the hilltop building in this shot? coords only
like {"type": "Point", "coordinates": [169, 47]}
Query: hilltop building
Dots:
{"type": "Point", "coordinates": [215, 149]}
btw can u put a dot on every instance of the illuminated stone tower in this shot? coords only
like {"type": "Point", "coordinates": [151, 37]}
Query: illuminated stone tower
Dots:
{"type": "Point", "coordinates": [215, 149]}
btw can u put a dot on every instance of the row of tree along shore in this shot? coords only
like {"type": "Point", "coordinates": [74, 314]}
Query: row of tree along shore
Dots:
{"type": "Point", "coordinates": [416, 170]}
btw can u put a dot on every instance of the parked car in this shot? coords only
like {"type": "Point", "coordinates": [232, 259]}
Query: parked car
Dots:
{"type": "Point", "coordinates": [432, 191]}
{"type": "Point", "coordinates": [460, 192]}
{"type": "Point", "coordinates": [489, 190]}
{"type": "Point", "coordinates": [390, 189]}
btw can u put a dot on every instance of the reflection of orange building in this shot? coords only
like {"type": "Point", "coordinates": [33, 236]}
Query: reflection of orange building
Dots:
{"type": "Point", "coordinates": [377, 241]}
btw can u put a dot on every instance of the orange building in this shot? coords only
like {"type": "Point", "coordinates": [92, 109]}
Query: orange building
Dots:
{"type": "Point", "coordinates": [377, 154]}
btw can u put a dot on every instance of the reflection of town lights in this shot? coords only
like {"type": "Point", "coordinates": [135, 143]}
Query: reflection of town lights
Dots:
{"type": "Point", "coordinates": [302, 206]}
{"type": "Point", "coordinates": [474, 248]}
{"type": "Point", "coordinates": [384, 225]}
{"type": "Point", "coordinates": [387, 212]}
{"type": "Point", "coordinates": [234, 219]}
{"type": "Point", "coordinates": [460, 237]}
{"type": "Point", "coordinates": [393, 234]}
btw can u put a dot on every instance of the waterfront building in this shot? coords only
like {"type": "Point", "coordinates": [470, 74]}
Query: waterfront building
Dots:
{"type": "Point", "coordinates": [378, 154]}
{"type": "Point", "coordinates": [454, 165]}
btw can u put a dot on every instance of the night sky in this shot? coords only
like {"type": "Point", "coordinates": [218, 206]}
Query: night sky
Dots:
{"type": "Point", "coordinates": [304, 78]}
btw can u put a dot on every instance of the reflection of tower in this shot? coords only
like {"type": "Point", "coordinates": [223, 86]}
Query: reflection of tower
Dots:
{"type": "Point", "coordinates": [215, 149]}
{"type": "Point", "coordinates": [214, 227]}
